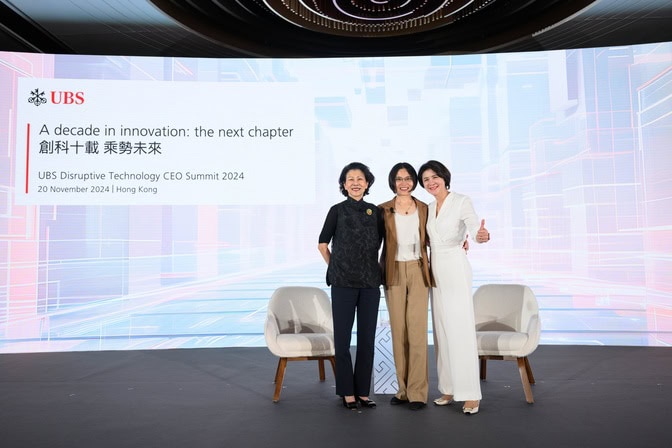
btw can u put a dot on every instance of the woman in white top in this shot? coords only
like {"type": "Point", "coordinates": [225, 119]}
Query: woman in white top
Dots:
{"type": "Point", "coordinates": [451, 218]}
{"type": "Point", "coordinates": [407, 280]}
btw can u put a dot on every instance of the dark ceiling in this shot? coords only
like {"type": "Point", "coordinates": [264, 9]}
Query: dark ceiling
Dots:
{"type": "Point", "coordinates": [326, 28]}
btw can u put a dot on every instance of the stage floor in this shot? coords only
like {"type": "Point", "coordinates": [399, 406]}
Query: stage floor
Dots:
{"type": "Point", "coordinates": [585, 396]}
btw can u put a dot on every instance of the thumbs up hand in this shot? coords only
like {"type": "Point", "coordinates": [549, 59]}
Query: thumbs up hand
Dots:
{"type": "Point", "coordinates": [483, 236]}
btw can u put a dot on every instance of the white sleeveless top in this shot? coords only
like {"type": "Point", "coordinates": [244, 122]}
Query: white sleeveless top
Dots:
{"type": "Point", "coordinates": [408, 236]}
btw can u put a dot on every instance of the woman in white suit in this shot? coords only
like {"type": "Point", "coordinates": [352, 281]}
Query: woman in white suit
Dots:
{"type": "Point", "coordinates": [451, 218]}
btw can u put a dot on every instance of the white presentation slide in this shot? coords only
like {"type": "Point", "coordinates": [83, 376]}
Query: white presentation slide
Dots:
{"type": "Point", "coordinates": [102, 142]}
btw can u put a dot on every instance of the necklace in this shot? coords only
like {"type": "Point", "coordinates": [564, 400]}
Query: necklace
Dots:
{"type": "Point", "coordinates": [408, 209]}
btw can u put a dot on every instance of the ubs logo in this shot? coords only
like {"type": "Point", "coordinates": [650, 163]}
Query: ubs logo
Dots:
{"type": "Point", "coordinates": [37, 97]}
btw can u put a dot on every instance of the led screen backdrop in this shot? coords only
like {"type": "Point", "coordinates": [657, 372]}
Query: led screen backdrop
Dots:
{"type": "Point", "coordinates": [565, 154]}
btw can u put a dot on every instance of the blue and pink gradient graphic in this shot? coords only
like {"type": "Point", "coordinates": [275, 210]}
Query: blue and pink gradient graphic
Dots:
{"type": "Point", "coordinates": [565, 154]}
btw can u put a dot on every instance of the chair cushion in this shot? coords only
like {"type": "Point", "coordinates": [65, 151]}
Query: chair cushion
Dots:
{"type": "Point", "coordinates": [304, 344]}
{"type": "Point", "coordinates": [501, 343]}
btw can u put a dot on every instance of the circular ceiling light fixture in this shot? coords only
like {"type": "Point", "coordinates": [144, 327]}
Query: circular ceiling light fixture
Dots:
{"type": "Point", "coordinates": [373, 18]}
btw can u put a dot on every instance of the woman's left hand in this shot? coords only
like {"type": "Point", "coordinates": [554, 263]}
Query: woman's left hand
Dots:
{"type": "Point", "coordinates": [482, 236]}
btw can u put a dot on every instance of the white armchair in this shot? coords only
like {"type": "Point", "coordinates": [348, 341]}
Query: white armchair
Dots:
{"type": "Point", "coordinates": [507, 328]}
{"type": "Point", "coordinates": [299, 327]}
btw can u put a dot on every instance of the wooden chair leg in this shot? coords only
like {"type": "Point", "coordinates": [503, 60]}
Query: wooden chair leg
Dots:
{"type": "Point", "coordinates": [529, 370]}
{"type": "Point", "coordinates": [320, 362]}
{"type": "Point", "coordinates": [277, 372]}
{"type": "Point", "coordinates": [279, 377]}
{"type": "Point", "coordinates": [282, 366]}
{"type": "Point", "coordinates": [484, 367]}
{"type": "Point", "coordinates": [525, 380]}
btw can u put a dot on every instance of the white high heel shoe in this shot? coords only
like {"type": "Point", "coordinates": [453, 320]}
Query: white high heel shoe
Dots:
{"type": "Point", "coordinates": [442, 401]}
{"type": "Point", "coordinates": [471, 410]}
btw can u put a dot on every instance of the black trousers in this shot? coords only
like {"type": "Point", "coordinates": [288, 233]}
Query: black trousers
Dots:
{"type": "Point", "coordinates": [346, 303]}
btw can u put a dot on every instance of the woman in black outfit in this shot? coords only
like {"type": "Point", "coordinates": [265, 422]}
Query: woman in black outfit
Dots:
{"type": "Point", "coordinates": [355, 229]}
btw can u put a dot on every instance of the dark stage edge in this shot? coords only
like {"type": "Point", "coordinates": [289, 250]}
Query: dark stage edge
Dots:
{"type": "Point", "coordinates": [585, 396]}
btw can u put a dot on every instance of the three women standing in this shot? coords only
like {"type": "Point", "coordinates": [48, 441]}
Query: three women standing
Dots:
{"type": "Point", "coordinates": [355, 230]}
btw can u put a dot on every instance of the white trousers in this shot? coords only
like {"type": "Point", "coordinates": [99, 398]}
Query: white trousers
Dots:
{"type": "Point", "coordinates": [453, 324]}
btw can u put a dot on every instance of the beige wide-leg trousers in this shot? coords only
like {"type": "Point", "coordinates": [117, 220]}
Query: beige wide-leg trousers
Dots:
{"type": "Point", "coordinates": [408, 304]}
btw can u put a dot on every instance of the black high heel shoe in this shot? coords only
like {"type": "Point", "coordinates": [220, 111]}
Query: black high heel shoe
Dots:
{"type": "Point", "coordinates": [350, 404]}
{"type": "Point", "coordinates": [367, 403]}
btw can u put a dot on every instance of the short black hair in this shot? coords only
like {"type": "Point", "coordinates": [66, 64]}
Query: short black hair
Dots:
{"type": "Point", "coordinates": [440, 170]}
{"type": "Point", "coordinates": [393, 175]}
{"type": "Point", "coordinates": [368, 175]}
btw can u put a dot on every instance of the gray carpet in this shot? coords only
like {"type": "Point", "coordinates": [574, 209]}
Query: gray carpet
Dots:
{"type": "Point", "coordinates": [586, 396]}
